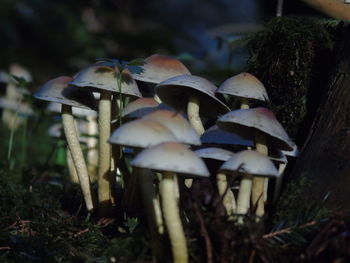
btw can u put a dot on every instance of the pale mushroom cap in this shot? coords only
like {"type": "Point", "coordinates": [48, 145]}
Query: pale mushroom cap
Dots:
{"type": "Point", "coordinates": [247, 121]}
{"type": "Point", "coordinates": [22, 109]}
{"type": "Point", "coordinates": [176, 92]}
{"type": "Point", "coordinates": [214, 153]}
{"type": "Point", "coordinates": [251, 162]}
{"type": "Point", "coordinates": [214, 135]}
{"type": "Point", "coordinates": [80, 112]}
{"type": "Point", "coordinates": [293, 153]}
{"type": "Point", "coordinates": [158, 68]}
{"type": "Point", "coordinates": [177, 124]}
{"type": "Point", "coordinates": [244, 85]}
{"type": "Point", "coordinates": [171, 157]}
{"type": "Point", "coordinates": [102, 76]}
{"type": "Point", "coordinates": [139, 104]}
{"type": "Point", "coordinates": [141, 133]}
{"type": "Point", "coordinates": [58, 90]}
{"type": "Point", "coordinates": [277, 156]}
{"type": "Point", "coordinates": [20, 71]}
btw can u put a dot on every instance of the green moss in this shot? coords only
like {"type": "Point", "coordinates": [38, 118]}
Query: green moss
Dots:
{"type": "Point", "coordinates": [287, 57]}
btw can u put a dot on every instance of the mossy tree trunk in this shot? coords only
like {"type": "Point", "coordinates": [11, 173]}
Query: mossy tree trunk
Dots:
{"type": "Point", "coordinates": [325, 158]}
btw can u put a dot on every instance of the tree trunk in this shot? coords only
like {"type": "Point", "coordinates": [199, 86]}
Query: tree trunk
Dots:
{"type": "Point", "coordinates": [325, 158]}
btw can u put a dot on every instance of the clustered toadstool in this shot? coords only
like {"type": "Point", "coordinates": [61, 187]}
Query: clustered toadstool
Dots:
{"type": "Point", "coordinates": [169, 140]}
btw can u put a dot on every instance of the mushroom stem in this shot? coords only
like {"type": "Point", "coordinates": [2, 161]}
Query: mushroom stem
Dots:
{"type": "Point", "coordinates": [157, 99]}
{"type": "Point", "coordinates": [259, 182]}
{"type": "Point", "coordinates": [92, 154]}
{"type": "Point", "coordinates": [243, 199]}
{"type": "Point", "coordinates": [151, 201]}
{"type": "Point", "coordinates": [77, 155]}
{"type": "Point", "coordinates": [172, 218]}
{"type": "Point", "coordinates": [244, 104]}
{"type": "Point", "coordinates": [229, 201]}
{"type": "Point", "coordinates": [71, 168]}
{"type": "Point", "coordinates": [104, 177]}
{"type": "Point", "coordinates": [193, 115]}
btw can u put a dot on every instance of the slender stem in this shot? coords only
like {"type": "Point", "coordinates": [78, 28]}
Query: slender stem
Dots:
{"type": "Point", "coordinates": [92, 154]}
{"type": "Point", "coordinates": [243, 199]}
{"type": "Point", "coordinates": [172, 219]}
{"type": "Point", "coordinates": [229, 199]}
{"type": "Point", "coordinates": [279, 11]}
{"type": "Point", "coordinates": [77, 155]}
{"type": "Point", "coordinates": [73, 176]}
{"type": "Point", "coordinates": [104, 177]}
{"type": "Point", "coordinates": [259, 182]}
{"type": "Point", "coordinates": [193, 115]}
{"type": "Point", "coordinates": [244, 104]}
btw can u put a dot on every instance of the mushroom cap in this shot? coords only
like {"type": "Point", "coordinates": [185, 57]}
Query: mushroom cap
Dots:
{"type": "Point", "coordinates": [244, 85]}
{"type": "Point", "coordinates": [177, 124]}
{"type": "Point", "coordinates": [80, 112]}
{"type": "Point", "coordinates": [22, 109]}
{"type": "Point", "coordinates": [139, 105]}
{"type": "Point", "coordinates": [58, 90]}
{"type": "Point", "coordinates": [251, 162]}
{"type": "Point", "coordinates": [158, 68]}
{"type": "Point", "coordinates": [102, 76]}
{"type": "Point", "coordinates": [214, 153]}
{"type": "Point", "coordinates": [141, 133]}
{"type": "Point", "coordinates": [246, 121]}
{"type": "Point", "coordinates": [176, 92]}
{"type": "Point", "coordinates": [293, 153]}
{"type": "Point", "coordinates": [171, 157]}
{"type": "Point", "coordinates": [215, 135]}
{"type": "Point", "coordinates": [277, 156]}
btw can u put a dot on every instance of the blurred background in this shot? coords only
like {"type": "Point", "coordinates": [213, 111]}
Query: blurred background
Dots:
{"type": "Point", "coordinates": [53, 38]}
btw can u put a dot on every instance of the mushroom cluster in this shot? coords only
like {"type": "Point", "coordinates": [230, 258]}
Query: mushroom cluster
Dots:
{"type": "Point", "coordinates": [155, 143]}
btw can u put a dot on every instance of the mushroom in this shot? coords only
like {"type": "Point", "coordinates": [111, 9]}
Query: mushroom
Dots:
{"type": "Point", "coordinates": [170, 158]}
{"type": "Point", "coordinates": [220, 156]}
{"type": "Point", "coordinates": [251, 164]}
{"type": "Point", "coordinates": [105, 78]}
{"type": "Point", "coordinates": [139, 107]}
{"type": "Point", "coordinates": [260, 123]}
{"type": "Point", "coordinates": [244, 86]}
{"type": "Point", "coordinates": [188, 91]}
{"type": "Point", "coordinates": [141, 134]}
{"type": "Point", "coordinates": [158, 68]}
{"type": "Point", "coordinates": [58, 90]}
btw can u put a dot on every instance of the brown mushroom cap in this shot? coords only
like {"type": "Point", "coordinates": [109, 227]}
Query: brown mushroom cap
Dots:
{"type": "Point", "coordinates": [141, 133]}
{"type": "Point", "coordinates": [244, 85]}
{"type": "Point", "coordinates": [176, 92]}
{"type": "Point", "coordinates": [171, 157]}
{"type": "Point", "coordinates": [246, 121]}
{"type": "Point", "coordinates": [251, 162]}
{"type": "Point", "coordinates": [177, 124]}
{"type": "Point", "coordinates": [158, 68]}
{"type": "Point", "coordinates": [139, 104]}
{"type": "Point", "coordinates": [58, 90]}
{"type": "Point", "coordinates": [102, 76]}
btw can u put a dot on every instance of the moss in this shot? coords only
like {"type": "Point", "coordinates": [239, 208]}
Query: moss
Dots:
{"type": "Point", "coordinates": [290, 57]}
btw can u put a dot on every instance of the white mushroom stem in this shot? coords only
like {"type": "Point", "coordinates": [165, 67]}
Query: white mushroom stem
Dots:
{"type": "Point", "coordinates": [259, 182]}
{"type": "Point", "coordinates": [243, 199]}
{"type": "Point", "coordinates": [150, 200]}
{"type": "Point", "coordinates": [104, 155]}
{"type": "Point", "coordinates": [244, 104]}
{"type": "Point", "coordinates": [229, 201]}
{"type": "Point", "coordinates": [193, 115]}
{"type": "Point", "coordinates": [77, 155]}
{"type": "Point", "coordinates": [73, 176]}
{"type": "Point", "coordinates": [92, 153]}
{"type": "Point", "coordinates": [172, 219]}
{"type": "Point", "coordinates": [157, 99]}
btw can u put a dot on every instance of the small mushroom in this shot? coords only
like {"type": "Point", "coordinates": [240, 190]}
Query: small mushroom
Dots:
{"type": "Point", "coordinates": [170, 158]}
{"type": "Point", "coordinates": [189, 92]}
{"type": "Point", "coordinates": [58, 90]}
{"type": "Point", "coordinates": [244, 86]}
{"type": "Point", "coordinates": [104, 77]}
{"type": "Point", "coordinates": [250, 164]}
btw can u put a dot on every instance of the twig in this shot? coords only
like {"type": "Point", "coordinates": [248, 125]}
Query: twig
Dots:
{"type": "Point", "coordinates": [204, 233]}
{"type": "Point", "coordinates": [288, 230]}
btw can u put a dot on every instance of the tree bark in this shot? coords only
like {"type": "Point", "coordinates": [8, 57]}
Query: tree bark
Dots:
{"type": "Point", "coordinates": [325, 158]}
